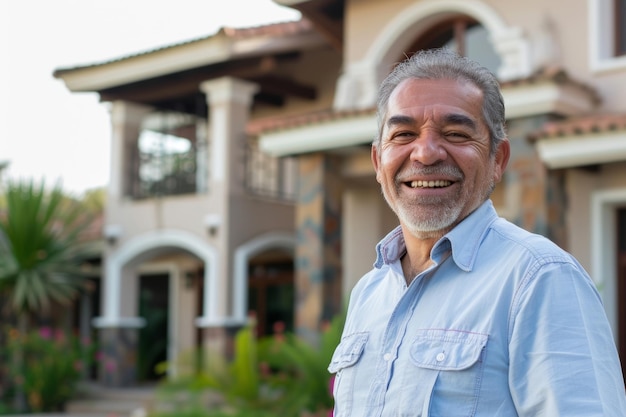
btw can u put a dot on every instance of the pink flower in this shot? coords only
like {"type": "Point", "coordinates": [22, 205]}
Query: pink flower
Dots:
{"type": "Point", "coordinates": [45, 333]}
{"type": "Point", "coordinates": [59, 336]}
{"type": "Point", "coordinates": [110, 366]}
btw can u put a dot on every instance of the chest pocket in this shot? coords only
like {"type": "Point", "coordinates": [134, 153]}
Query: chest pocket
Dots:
{"type": "Point", "coordinates": [342, 364]}
{"type": "Point", "coordinates": [452, 363]}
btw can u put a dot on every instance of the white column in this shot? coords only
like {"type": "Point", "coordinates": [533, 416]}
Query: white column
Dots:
{"type": "Point", "coordinates": [126, 120]}
{"type": "Point", "coordinates": [229, 101]}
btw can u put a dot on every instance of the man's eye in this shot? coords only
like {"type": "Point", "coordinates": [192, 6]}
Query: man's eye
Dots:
{"type": "Point", "coordinates": [455, 135]}
{"type": "Point", "coordinates": [403, 135]}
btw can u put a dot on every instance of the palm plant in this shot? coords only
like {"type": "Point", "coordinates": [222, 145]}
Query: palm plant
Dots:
{"type": "Point", "coordinates": [300, 369]}
{"type": "Point", "coordinates": [39, 260]}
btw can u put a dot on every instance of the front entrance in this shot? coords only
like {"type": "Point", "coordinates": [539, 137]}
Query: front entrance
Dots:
{"type": "Point", "coordinates": [153, 337]}
{"type": "Point", "coordinates": [271, 296]}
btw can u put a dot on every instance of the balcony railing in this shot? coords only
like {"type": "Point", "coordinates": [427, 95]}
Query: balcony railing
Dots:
{"type": "Point", "coordinates": [268, 176]}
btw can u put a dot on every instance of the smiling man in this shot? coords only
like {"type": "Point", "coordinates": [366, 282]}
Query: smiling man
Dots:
{"type": "Point", "coordinates": [464, 313]}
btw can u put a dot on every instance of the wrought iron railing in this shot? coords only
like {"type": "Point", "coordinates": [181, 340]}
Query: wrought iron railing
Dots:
{"type": "Point", "coordinates": [268, 176]}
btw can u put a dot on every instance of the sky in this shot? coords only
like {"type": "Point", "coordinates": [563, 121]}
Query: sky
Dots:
{"type": "Point", "coordinates": [50, 134]}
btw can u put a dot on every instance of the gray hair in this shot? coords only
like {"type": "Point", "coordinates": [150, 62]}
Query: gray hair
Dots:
{"type": "Point", "coordinates": [446, 64]}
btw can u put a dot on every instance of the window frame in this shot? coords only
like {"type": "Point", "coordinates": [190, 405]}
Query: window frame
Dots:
{"type": "Point", "coordinates": [603, 36]}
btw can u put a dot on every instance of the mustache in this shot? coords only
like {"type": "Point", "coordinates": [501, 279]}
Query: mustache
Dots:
{"type": "Point", "coordinates": [447, 171]}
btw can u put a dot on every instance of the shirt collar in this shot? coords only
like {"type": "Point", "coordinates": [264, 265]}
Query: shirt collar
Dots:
{"type": "Point", "coordinates": [466, 237]}
{"type": "Point", "coordinates": [464, 240]}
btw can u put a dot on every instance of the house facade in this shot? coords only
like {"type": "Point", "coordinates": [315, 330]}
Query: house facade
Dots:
{"type": "Point", "coordinates": [241, 179]}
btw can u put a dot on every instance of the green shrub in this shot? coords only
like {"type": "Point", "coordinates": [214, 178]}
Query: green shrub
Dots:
{"type": "Point", "coordinates": [281, 375]}
{"type": "Point", "coordinates": [299, 369]}
{"type": "Point", "coordinates": [51, 365]}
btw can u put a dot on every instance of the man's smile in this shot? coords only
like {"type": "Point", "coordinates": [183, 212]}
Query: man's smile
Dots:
{"type": "Point", "coordinates": [429, 184]}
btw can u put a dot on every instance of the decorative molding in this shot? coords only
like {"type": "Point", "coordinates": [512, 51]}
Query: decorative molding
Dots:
{"type": "Point", "coordinates": [545, 98]}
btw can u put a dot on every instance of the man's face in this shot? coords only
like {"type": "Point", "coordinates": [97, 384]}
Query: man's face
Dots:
{"type": "Point", "coordinates": [433, 161]}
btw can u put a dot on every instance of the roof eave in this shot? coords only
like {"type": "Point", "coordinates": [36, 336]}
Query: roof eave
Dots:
{"type": "Point", "coordinates": [582, 150]}
{"type": "Point", "coordinates": [180, 58]}
{"type": "Point", "coordinates": [334, 134]}
{"type": "Point", "coordinates": [547, 97]}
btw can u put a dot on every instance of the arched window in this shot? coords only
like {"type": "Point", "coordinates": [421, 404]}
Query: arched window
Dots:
{"type": "Point", "coordinates": [462, 34]}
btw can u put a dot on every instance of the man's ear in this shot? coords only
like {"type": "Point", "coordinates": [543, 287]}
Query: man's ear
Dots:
{"type": "Point", "coordinates": [375, 159]}
{"type": "Point", "coordinates": [503, 153]}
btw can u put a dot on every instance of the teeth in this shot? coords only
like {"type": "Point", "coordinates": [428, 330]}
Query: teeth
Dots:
{"type": "Point", "coordinates": [430, 184]}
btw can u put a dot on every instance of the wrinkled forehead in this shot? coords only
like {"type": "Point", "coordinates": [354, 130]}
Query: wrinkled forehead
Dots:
{"type": "Point", "coordinates": [431, 96]}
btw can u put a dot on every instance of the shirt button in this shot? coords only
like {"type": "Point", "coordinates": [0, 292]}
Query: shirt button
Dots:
{"type": "Point", "coordinates": [441, 356]}
{"type": "Point", "coordinates": [387, 357]}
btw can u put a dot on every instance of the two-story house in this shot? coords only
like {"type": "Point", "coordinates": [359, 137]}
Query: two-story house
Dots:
{"type": "Point", "coordinates": [241, 177]}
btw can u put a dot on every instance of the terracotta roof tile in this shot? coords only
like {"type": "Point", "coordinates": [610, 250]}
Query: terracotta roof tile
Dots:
{"type": "Point", "coordinates": [274, 29]}
{"type": "Point", "coordinates": [256, 127]}
{"type": "Point", "coordinates": [581, 125]}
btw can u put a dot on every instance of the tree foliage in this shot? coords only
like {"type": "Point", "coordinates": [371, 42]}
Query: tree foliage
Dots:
{"type": "Point", "coordinates": [39, 256]}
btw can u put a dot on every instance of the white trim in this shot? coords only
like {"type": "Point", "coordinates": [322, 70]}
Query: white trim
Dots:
{"type": "Point", "coordinates": [603, 248]}
{"type": "Point", "coordinates": [334, 134]}
{"type": "Point", "coordinates": [582, 150]}
{"type": "Point", "coordinates": [131, 250]}
{"type": "Point", "coordinates": [241, 259]}
{"type": "Point", "coordinates": [601, 42]}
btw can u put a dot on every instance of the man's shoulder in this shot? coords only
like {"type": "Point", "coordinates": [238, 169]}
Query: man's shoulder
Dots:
{"type": "Point", "coordinates": [504, 234]}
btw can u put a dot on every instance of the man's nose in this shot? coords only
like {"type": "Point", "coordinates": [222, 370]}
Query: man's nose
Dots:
{"type": "Point", "coordinates": [428, 148]}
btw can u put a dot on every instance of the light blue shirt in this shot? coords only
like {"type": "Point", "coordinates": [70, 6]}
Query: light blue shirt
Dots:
{"type": "Point", "coordinates": [504, 323]}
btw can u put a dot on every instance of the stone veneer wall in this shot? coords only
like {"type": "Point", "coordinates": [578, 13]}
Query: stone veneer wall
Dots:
{"type": "Point", "coordinates": [535, 195]}
{"type": "Point", "coordinates": [118, 356]}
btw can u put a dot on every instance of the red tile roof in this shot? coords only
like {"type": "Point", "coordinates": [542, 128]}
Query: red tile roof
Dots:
{"type": "Point", "coordinates": [274, 29]}
{"type": "Point", "coordinates": [259, 126]}
{"type": "Point", "coordinates": [581, 125]}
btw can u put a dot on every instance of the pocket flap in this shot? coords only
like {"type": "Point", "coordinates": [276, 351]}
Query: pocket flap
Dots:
{"type": "Point", "coordinates": [447, 349]}
{"type": "Point", "coordinates": [348, 352]}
